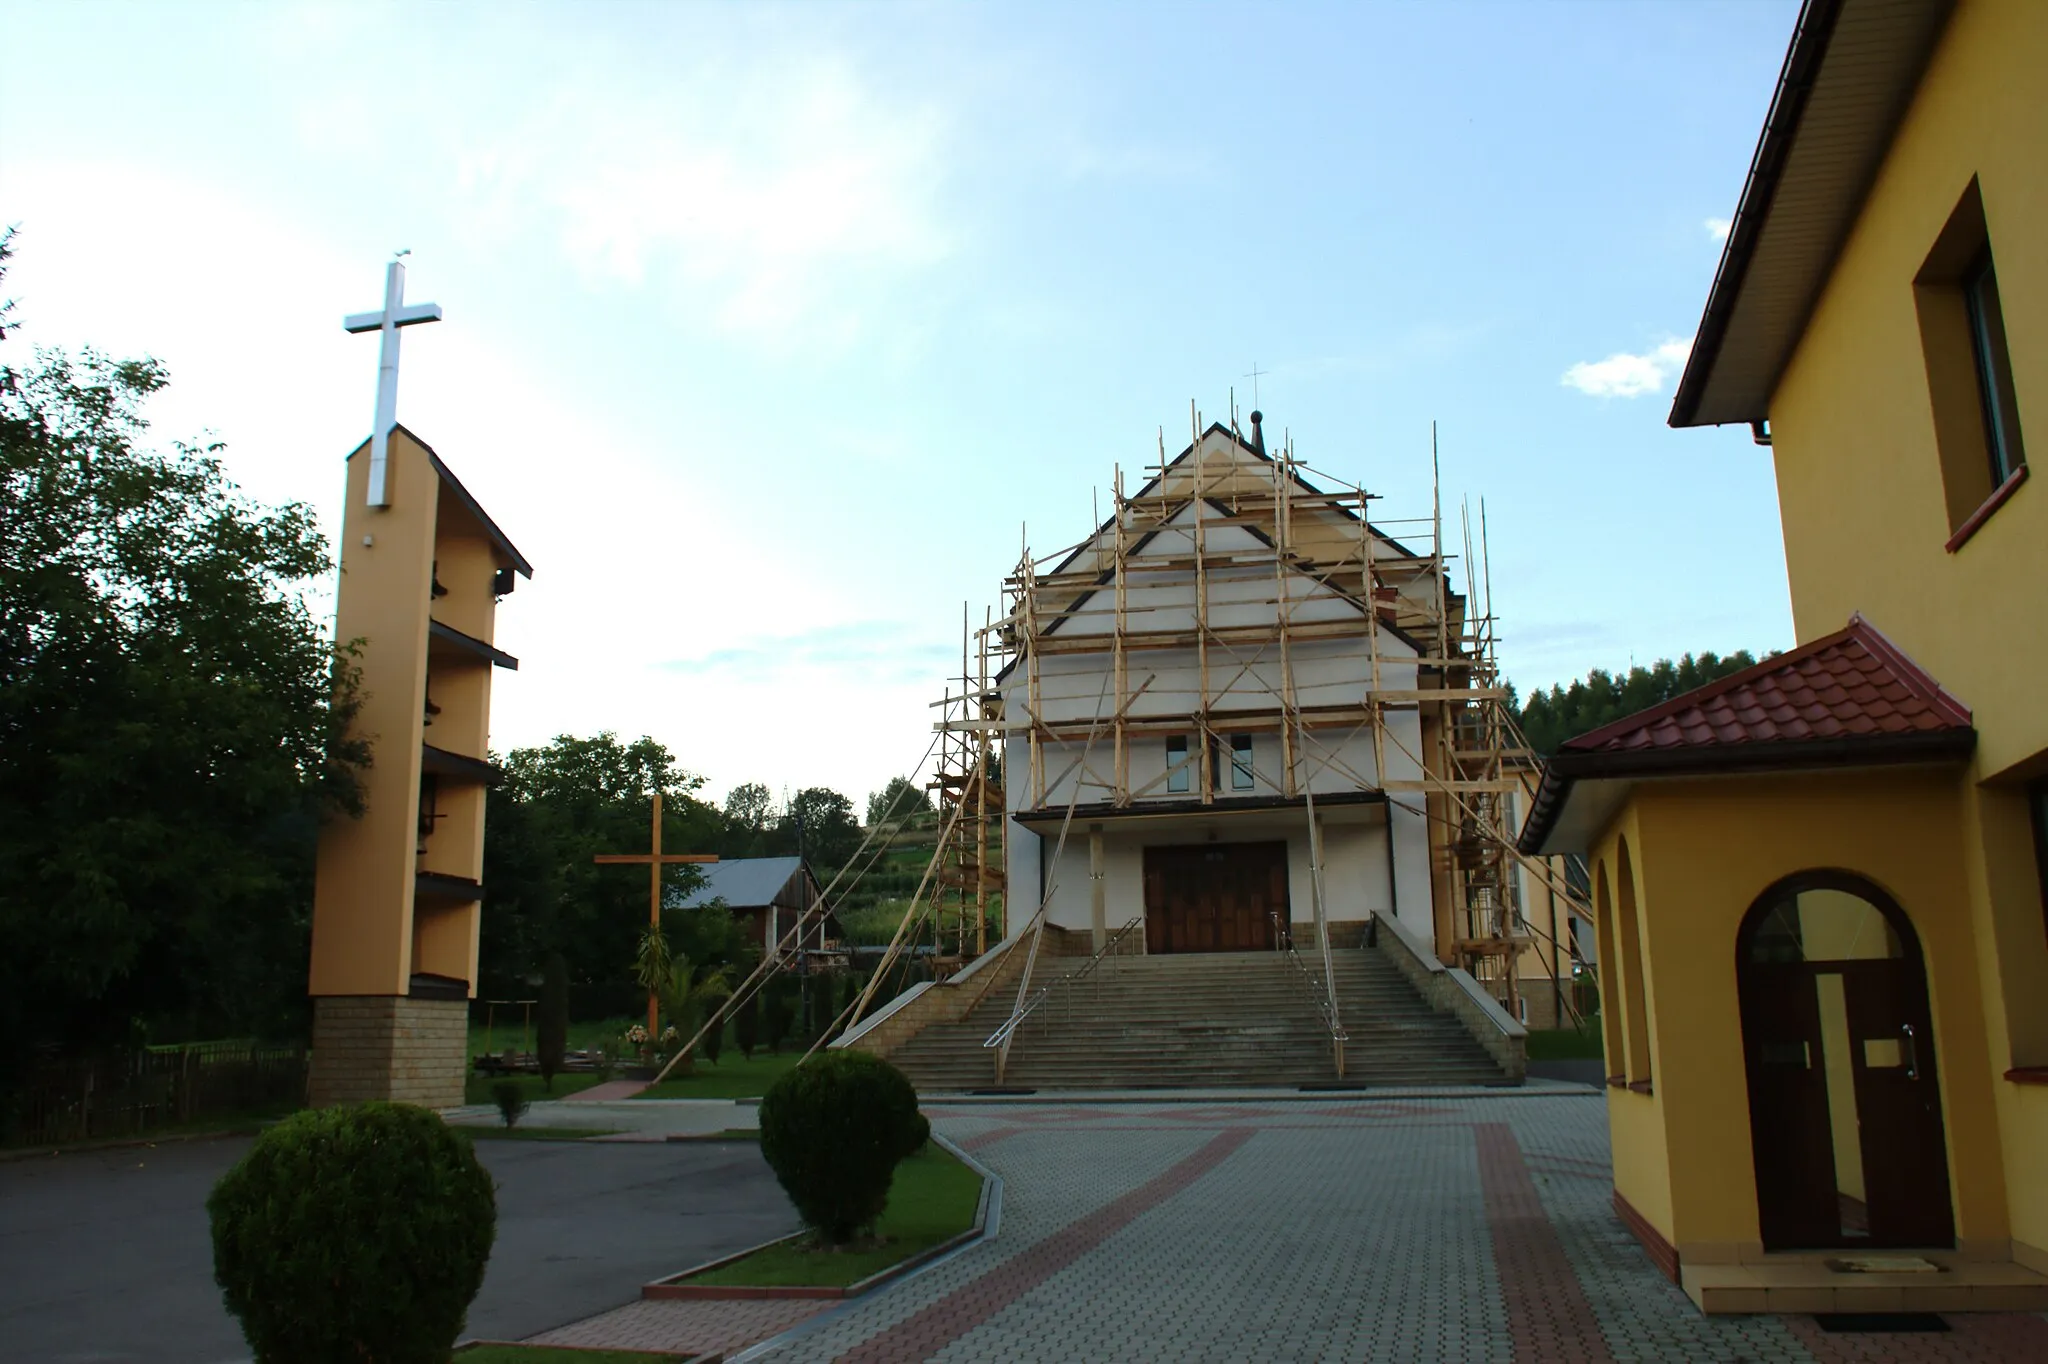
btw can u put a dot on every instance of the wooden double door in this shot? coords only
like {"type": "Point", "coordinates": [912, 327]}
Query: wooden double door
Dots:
{"type": "Point", "coordinates": [1214, 897]}
{"type": "Point", "coordinates": [1845, 1105]}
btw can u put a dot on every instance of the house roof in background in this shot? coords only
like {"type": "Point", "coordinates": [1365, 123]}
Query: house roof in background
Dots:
{"type": "Point", "coordinates": [743, 882]}
{"type": "Point", "coordinates": [1848, 77]}
{"type": "Point", "coordinates": [1847, 699]}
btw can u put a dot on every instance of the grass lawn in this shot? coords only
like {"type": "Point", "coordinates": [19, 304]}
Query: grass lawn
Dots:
{"type": "Point", "coordinates": [555, 1354]}
{"type": "Point", "coordinates": [1564, 1044]}
{"type": "Point", "coordinates": [932, 1200]}
{"type": "Point", "coordinates": [734, 1077]}
{"type": "Point", "coordinates": [477, 1088]}
{"type": "Point", "coordinates": [508, 1029]}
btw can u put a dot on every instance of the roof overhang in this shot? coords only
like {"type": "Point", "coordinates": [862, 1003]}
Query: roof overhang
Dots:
{"type": "Point", "coordinates": [1338, 807]}
{"type": "Point", "coordinates": [1581, 793]}
{"type": "Point", "coordinates": [1848, 78]}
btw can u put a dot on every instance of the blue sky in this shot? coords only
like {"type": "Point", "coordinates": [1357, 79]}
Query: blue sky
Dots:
{"type": "Point", "coordinates": [769, 327]}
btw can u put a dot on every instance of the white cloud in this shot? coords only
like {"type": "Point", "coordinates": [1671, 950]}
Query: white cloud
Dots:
{"type": "Point", "coordinates": [1717, 228]}
{"type": "Point", "coordinates": [1623, 375]}
{"type": "Point", "coordinates": [779, 204]}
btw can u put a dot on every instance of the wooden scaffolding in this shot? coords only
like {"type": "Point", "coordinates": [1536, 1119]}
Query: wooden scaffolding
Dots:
{"type": "Point", "coordinates": [1311, 539]}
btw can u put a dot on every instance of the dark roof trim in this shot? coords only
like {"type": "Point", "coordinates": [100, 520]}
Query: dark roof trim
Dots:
{"type": "Point", "coordinates": [471, 644]}
{"type": "Point", "coordinates": [468, 502]}
{"type": "Point", "coordinates": [1810, 35]}
{"type": "Point", "coordinates": [441, 886]}
{"type": "Point", "coordinates": [1159, 809]}
{"type": "Point", "coordinates": [1885, 750]}
{"type": "Point", "coordinates": [426, 985]}
{"type": "Point", "coordinates": [442, 763]}
{"type": "Point", "coordinates": [1885, 48]}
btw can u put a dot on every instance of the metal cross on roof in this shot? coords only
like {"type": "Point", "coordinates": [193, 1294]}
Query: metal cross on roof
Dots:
{"type": "Point", "coordinates": [387, 322]}
{"type": "Point", "coordinates": [1255, 376]}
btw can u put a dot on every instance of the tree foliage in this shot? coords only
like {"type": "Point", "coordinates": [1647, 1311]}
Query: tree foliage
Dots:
{"type": "Point", "coordinates": [1562, 713]}
{"type": "Point", "coordinates": [901, 800]}
{"type": "Point", "coordinates": [172, 720]}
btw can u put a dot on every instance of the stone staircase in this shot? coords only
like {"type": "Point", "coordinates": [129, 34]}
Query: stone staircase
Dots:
{"type": "Point", "coordinates": [1199, 1020]}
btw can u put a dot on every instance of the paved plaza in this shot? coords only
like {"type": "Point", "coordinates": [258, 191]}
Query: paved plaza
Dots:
{"type": "Point", "coordinates": [105, 1256]}
{"type": "Point", "coordinates": [1455, 1226]}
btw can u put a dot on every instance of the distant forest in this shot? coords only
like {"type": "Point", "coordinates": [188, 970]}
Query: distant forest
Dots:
{"type": "Point", "coordinates": [1551, 717]}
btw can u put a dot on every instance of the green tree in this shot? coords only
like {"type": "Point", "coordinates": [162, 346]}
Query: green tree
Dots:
{"type": "Point", "coordinates": [819, 823]}
{"type": "Point", "coordinates": [1551, 717]}
{"type": "Point", "coordinates": [900, 800]}
{"type": "Point", "coordinates": [746, 1025]}
{"type": "Point", "coordinates": [749, 811]}
{"type": "Point", "coordinates": [558, 806]}
{"type": "Point", "coordinates": [172, 720]}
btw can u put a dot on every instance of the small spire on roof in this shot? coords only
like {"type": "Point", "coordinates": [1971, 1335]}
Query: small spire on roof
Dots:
{"type": "Point", "coordinates": [1258, 436]}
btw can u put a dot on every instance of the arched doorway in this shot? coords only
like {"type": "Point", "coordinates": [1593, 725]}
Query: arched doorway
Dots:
{"type": "Point", "coordinates": [1844, 1105]}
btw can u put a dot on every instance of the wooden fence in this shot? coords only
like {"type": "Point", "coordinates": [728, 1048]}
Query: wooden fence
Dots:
{"type": "Point", "coordinates": [134, 1093]}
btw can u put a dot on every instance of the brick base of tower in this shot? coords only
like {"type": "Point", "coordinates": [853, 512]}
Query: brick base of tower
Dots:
{"type": "Point", "coordinates": [412, 1051]}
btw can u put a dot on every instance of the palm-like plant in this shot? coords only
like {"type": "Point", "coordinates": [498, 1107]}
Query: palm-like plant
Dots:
{"type": "Point", "coordinates": [689, 995]}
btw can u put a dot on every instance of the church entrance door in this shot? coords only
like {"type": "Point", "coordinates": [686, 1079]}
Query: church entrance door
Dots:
{"type": "Point", "coordinates": [1214, 897]}
{"type": "Point", "coordinates": [1844, 1108]}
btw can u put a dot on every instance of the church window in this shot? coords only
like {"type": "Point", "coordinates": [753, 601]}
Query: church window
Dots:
{"type": "Point", "coordinates": [1177, 763]}
{"type": "Point", "coordinates": [1240, 762]}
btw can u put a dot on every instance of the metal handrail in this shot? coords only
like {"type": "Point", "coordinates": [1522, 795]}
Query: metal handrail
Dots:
{"type": "Point", "coordinates": [1025, 1007]}
{"type": "Point", "coordinates": [1322, 994]}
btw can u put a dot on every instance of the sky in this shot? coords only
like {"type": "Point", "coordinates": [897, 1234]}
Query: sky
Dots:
{"type": "Point", "coordinates": [771, 332]}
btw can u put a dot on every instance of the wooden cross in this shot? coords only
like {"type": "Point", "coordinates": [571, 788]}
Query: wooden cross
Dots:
{"type": "Point", "coordinates": [654, 860]}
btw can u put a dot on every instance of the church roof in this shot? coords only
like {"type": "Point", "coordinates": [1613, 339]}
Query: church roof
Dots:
{"type": "Point", "coordinates": [742, 882]}
{"type": "Point", "coordinates": [1851, 698]}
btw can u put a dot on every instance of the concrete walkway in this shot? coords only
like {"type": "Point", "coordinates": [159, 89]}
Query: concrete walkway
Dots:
{"type": "Point", "coordinates": [1430, 1226]}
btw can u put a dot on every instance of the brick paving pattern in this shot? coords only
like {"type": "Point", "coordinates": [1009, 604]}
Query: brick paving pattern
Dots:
{"type": "Point", "coordinates": [1449, 1228]}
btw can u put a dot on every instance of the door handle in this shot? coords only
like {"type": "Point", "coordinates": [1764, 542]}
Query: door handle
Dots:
{"type": "Point", "coordinates": [1912, 1050]}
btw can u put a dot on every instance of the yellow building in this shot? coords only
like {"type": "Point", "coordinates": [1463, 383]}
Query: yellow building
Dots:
{"type": "Point", "coordinates": [398, 891]}
{"type": "Point", "coordinates": [1819, 884]}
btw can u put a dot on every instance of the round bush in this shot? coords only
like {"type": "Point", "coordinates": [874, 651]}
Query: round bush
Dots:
{"type": "Point", "coordinates": [353, 1235]}
{"type": "Point", "coordinates": [833, 1130]}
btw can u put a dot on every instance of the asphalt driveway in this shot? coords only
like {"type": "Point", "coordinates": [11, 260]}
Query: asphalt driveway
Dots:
{"type": "Point", "coordinates": [105, 1257]}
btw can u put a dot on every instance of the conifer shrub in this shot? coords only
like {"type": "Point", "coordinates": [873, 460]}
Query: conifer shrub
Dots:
{"type": "Point", "coordinates": [833, 1130]}
{"type": "Point", "coordinates": [551, 1047]}
{"type": "Point", "coordinates": [746, 1025]}
{"type": "Point", "coordinates": [353, 1235]}
{"type": "Point", "coordinates": [510, 1097]}
{"type": "Point", "coordinates": [780, 1016]}
{"type": "Point", "coordinates": [714, 1042]}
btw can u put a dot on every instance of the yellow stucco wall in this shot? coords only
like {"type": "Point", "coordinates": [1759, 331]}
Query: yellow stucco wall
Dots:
{"type": "Point", "coordinates": [1866, 516]}
{"type": "Point", "coordinates": [1704, 850]}
{"type": "Point", "coordinates": [363, 885]}
{"type": "Point", "coordinates": [370, 934]}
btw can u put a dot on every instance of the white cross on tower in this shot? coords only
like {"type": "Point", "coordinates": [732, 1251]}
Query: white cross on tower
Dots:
{"type": "Point", "coordinates": [394, 316]}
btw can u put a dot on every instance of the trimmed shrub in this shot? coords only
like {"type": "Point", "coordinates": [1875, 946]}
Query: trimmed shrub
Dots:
{"type": "Point", "coordinates": [353, 1235]}
{"type": "Point", "coordinates": [552, 1046]}
{"type": "Point", "coordinates": [510, 1096]}
{"type": "Point", "coordinates": [833, 1130]}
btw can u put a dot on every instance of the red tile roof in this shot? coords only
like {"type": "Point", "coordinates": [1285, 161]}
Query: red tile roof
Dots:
{"type": "Point", "coordinates": [1852, 684]}
{"type": "Point", "coordinates": [1850, 699]}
